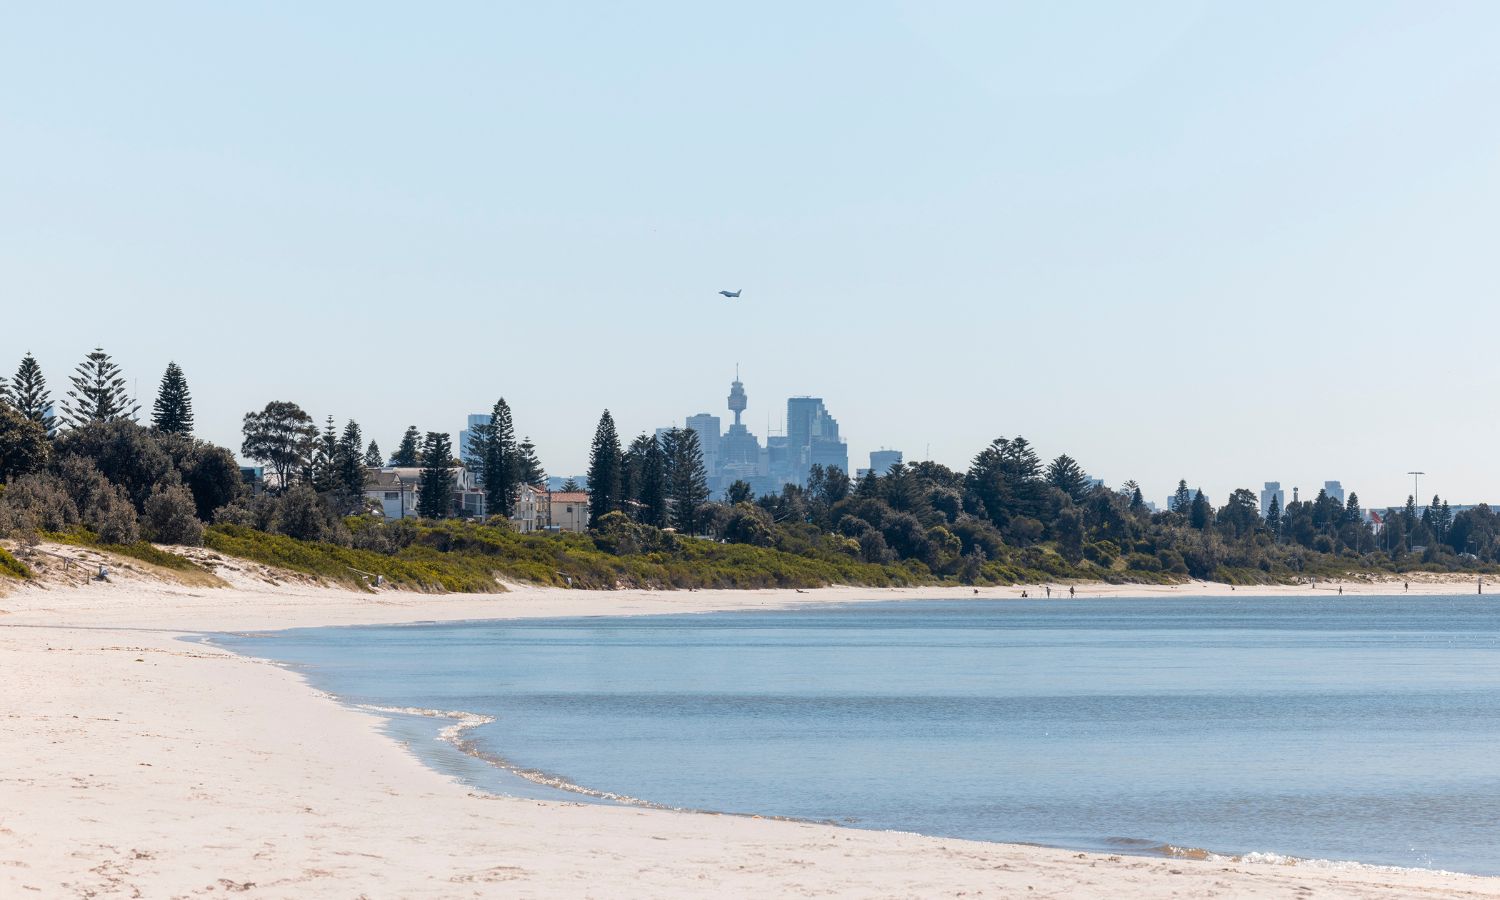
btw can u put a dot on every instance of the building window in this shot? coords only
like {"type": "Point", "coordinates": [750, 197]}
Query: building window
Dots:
{"type": "Point", "coordinates": [392, 495]}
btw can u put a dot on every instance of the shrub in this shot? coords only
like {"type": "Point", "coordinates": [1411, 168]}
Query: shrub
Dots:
{"type": "Point", "coordinates": [12, 567]}
{"type": "Point", "coordinates": [171, 517]}
{"type": "Point", "coordinates": [37, 502]}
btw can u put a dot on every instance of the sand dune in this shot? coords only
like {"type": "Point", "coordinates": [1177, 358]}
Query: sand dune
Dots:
{"type": "Point", "coordinates": [134, 763]}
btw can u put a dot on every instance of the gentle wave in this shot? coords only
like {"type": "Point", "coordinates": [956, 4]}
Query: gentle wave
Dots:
{"type": "Point", "coordinates": [466, 721]}
{"type": "Point", "coordinates": [1263, 858]}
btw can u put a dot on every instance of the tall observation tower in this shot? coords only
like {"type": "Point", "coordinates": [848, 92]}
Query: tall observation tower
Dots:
{"type": "Point", "coordinates": [737, 400]}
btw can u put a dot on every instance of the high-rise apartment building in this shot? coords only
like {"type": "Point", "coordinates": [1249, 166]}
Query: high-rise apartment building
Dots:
{"type": "Point", "coordinates": [1272, 489]}
{"type": "Point", "coordinates": [475, 420]}
{"type": "Point", "coordinates": [882, 461]}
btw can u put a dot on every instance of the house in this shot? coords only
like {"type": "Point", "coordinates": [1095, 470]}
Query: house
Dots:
{"type": "Point", "coordinates": [533, 509]}
{"type": "Point", "coordinates": [570, 510]}
{"type": "Point", "coordinates": [397, 489]}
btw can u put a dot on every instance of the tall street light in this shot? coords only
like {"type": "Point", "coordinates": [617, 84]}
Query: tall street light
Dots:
{"type": "Point", "coordinates": [1416, 495]}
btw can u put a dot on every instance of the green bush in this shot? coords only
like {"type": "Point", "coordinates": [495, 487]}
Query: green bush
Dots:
{"type": "Point", "coordinates": [141, 550]}
{"type": "Point", "coordinates": [11, 567]}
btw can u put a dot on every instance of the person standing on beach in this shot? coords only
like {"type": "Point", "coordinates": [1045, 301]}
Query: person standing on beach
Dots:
{"type": "Point", "coordinates": [1071, 592]}
{"type": "Point", "coordinates": [1048, 589]}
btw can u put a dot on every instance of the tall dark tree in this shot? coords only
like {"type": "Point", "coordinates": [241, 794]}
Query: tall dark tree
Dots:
{"type": "Point", "coordinates": [646, 480]}
{"type": "Point", "coordinates": [1200, 513]}
{"type": "Point", "coordinates": [98, 393]}
{"type": "Point", "coordinates": [739, 492]}
{"type": "Point", "coordinates": [1004, 481]}
{"type": "Point", "coordinates": [29, 395]}
{"type": "Point", "coordinates": [1182, 500]}
{"type": "Point", "coordinates": [687, 479]}
{"type": "Point", "coordinates": [408, 452]}
{"type": "Point", "coordinates": [437, 482]}
{"type": "Point", "coordinates": [1273, 517]}
{"type": "Point", "coordinates": [173, 411]}
{"type": "Point", "coordinates": [282, 436]}
{"type": "Point", "coordinates": [604, 470]}
{"type": "Point", "coordinates": [1353, 515]}
{"type": "Point", "coordinates": [350, 465]}
{"type": "Point", "coordinates": [532, 472]}
{"type": "Point", "coordinates": [325, 459]}
{"type": "Point", "coordinates": [1068, 476]}
{"type": "Point", "coordinates": [571, 486]}
{"type": "Point", "coordinates": [502, 462]}
{"type": "Point", "coordinates": [373, 459]}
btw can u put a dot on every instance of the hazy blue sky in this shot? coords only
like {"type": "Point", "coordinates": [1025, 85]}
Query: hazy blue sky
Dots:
{"type": "Point", "coordinates": [1230, 242]}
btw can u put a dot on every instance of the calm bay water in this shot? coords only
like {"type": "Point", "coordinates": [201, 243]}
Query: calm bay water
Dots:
{"type": "Point", "coordinates": [1355, 728]}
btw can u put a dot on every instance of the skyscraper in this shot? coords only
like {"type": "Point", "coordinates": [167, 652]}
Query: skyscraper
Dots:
{"type": "Point", "coordinates": [1335, 490]}
{"type": "Point", "coordinates": [881, 461]}
{"type": "Point", "coordinates": [1272, 489]}
{"type": "Point", "coordinates": [709, 436]}
{"type": "Point", "coordinates": [812, 437]}
{"type": "Point", "coordinates": [475, 420]}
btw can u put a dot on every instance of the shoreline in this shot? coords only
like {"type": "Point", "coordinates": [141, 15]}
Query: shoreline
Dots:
{"type": "Point", "coordinates": [134, 761]}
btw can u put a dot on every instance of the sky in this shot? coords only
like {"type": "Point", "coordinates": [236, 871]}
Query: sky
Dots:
{"type": "Point", "coordinates": [1229, 243]}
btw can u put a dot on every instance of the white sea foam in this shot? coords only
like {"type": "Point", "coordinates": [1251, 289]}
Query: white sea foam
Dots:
{"type": "Point", "coordinates": [464, 721]}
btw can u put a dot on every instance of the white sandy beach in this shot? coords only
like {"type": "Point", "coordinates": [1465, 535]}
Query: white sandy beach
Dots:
{"type": "Point", "coordinates": [136, 764]}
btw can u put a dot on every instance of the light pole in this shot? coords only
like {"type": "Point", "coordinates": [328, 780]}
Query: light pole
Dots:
{"type": "Point", "coordinates": [1416, 495]}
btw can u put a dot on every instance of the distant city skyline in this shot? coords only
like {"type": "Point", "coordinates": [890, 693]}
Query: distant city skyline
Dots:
{"type": "Point", "coordinates": [1226, 243]}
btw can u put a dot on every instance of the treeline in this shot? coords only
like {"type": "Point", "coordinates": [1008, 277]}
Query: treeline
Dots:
{"type": "Point", "coordinates": [94, 468]}
{"type": "Point", "coordinates": [90, 467]}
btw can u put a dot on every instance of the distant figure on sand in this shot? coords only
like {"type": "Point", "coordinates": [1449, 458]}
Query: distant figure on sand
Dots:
{"type": "Point", "coordinates": [1071, 592]}
{"type": "Point", "coordinates": [1341, 589]}
{"type": "Point", "coordinates": [1049, 592]}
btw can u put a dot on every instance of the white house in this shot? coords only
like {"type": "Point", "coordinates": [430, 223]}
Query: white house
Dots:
{"type": "Point", "coordinates": [397, 490]}
{"type": "Point", "coordinates": [533, 509]}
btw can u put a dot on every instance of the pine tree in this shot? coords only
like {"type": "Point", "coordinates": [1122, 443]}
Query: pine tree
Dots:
{"type": "Point", "coordinates": [407, 452]}
{"type": "Point", "coordinates": [436, 485]}
{"type": "Point", "coordinates": [571, 486]}
{"type": "Point", "coordinates": [1352, 513]}
{"type": "Point", "coordinates": [173, 411]}
{"type": "Point", "coordinates": [373, 459]}
{"type": "Point", "coordinates": [502, 463]}
{"type": "Point", "coordinates": [98, 393]}
{"type": "Point", "coordinates": [604, 470]}
{"type": "Point", "coordinates": [1200, 514]}
{"type": "Point", "coordinates": [1273, 517]}
{"type": "Point", "coordinates": [29, 395]}
{"type": "Point", "coordinates": [532, 472]}
{"type": "Point", "coordinates": [1068, 476]}
{"type": "Point", "coordinates": [646, 465]}
{"type": "Point", "coordinates": [325, 474]}
{"type": "Point", "coordinates": [350, 465]}
{"type": "Point", "coordinates": [1182, 501]}
{"type": "Point", "coordinates": [686, 478]}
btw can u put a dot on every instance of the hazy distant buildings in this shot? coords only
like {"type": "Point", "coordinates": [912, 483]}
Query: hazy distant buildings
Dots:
{"type": "Point", "coordinates": [1272, 491]}
{"type": "Point", "coordinates": [812, 437]}
{"type": "Point", "coordinates": [736, 454]}
{"type": "Point", "coordinates": [1335, 490]}
{"type": "Point", "coordinates": [709, 438]}
{"type": "Point", "coordinates": [475, 420]}
{"type": "Point", "coordinates": [882, 461]}
{"type": "Point", "coordinates": [1172, 498]}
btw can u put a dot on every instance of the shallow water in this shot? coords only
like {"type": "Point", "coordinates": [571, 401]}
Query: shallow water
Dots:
{"type": "Point", "coordinates": [1360, 728]}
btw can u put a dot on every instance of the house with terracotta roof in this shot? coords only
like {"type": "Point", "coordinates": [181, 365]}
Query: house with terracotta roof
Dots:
{"type": "Point", "coordinates": [570, 510]}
